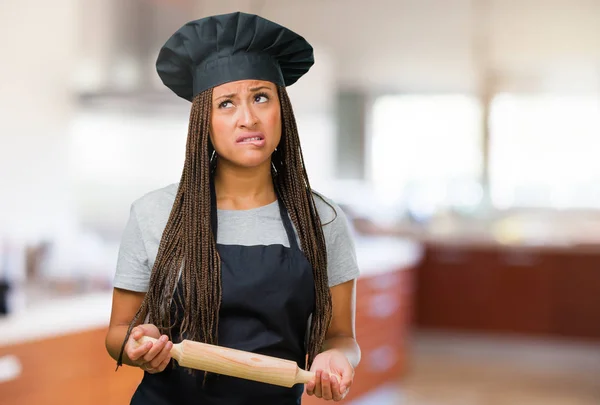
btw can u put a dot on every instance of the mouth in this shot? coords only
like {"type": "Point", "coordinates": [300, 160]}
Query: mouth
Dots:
{"type": "Point", "coordinates": [254, 138]}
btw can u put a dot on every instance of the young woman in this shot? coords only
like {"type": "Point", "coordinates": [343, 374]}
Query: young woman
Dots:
{"type": "Point", "coordinates": [241, 252]}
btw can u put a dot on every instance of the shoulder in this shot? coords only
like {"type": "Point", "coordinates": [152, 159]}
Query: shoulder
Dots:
{"type": "Point", "coordinates": [155, 203]}
{"type": "Point", "coordinates": [334, 220]}
{"type": "Point", "coordinates": [338, 232]}
{"type": "Point", "coordinates": [151, 212]}
{"type": "Point", "coordinates": [329, 211]}
{"type": "Point", "coordinates": [141, 237]}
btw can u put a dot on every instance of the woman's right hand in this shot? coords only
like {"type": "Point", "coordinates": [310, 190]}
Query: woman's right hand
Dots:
{"type": "Point", "coordinates": [150, 357]}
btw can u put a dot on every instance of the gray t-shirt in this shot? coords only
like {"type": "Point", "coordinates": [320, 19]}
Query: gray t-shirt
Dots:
{"type": "Point", "coordinates": [259, 226]}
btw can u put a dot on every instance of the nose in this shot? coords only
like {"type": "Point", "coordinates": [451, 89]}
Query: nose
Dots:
{"type": "Point", "coordinates": [247, 116]}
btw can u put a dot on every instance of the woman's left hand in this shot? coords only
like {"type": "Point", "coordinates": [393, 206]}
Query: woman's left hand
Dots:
{"type": "Point", "coordinates": [333, 376]}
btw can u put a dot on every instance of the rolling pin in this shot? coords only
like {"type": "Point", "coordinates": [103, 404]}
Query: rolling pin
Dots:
{"type": "Point", "coordinates": [237, 363]}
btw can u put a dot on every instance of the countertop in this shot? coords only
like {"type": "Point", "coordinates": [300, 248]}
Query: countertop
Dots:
{"type": "Point", "coordinates": [69, 314]}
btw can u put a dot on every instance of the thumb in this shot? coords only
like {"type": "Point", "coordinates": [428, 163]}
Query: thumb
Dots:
{"type": "Point", "coordinates": [137, 332]}
{"type": "Point", "coordinates": [141, 331]}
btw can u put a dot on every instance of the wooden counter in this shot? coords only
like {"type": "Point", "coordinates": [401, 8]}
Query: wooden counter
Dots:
{"type": "Point", "coordinates": [74, 368]}
{"type": "Point", "coordinates": [544, 291]}
{"type": "Point", "coordinates": [70, 369]}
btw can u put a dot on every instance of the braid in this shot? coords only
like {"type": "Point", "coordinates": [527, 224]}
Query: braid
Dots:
{"type": "Point", "coordinates": [293, 184]}
{"type": "Point", "coordinates": [188, 250]}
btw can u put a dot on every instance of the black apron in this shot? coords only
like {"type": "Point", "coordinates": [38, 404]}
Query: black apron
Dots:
{"type": "Point", "coordinates": [267, 297]}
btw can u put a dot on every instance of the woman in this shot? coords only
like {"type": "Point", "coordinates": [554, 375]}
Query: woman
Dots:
{"type": "Point", "coordinates": [241, 252]}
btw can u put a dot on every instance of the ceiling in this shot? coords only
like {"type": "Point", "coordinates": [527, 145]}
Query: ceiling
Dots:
{"type": "Point", "coordinates": [380, 46]}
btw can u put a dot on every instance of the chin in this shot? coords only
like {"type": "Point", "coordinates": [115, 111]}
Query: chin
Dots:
{"type": "Point", "coordinates": [250, 162]}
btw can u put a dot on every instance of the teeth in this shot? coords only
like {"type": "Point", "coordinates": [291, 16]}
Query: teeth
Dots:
{"type": "Point", "coordinates": [252, 139]}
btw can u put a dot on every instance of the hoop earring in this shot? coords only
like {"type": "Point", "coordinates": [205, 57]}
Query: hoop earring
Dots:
{"type": "Point", "coordinates": [212, 163]}
{"type": "Point", "coordinates": [274, 155]}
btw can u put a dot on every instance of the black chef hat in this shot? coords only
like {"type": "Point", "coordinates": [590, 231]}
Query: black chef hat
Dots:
{"type": "Point", "coordinates": [214, 50]}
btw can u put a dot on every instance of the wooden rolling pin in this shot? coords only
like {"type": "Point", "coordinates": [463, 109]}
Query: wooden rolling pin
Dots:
{"type": "Point", "coordinates": [237, 363]}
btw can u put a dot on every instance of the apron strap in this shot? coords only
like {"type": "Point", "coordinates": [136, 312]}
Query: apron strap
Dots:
{"type": "Point", "coordinates": [287, 223]}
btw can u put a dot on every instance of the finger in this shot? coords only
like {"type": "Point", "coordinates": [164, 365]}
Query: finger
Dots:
{"type": "Point", "coordinates": [326, 386]}
{"type": "Point", "coordinates": [318, 384]}
{"type": "Point", "coordinates": [336, 394]}
{"type": "Point", "coordinates": [135, 351]}
{"type": "Point", "coordinates": [164, 363]}
{"type": "Point", "coordinates": [346, 382]}
{"type": "Point", "coordinates": [156, 348]}
{"type": "Point", "coordinates": [160, 357]}
{"type": "Point", "coordinates": [310, 388]}
{"type": "Point", "coordinates": [311, 385]}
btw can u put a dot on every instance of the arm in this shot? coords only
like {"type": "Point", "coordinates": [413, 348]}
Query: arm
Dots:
{"type": "Point", "coordinates": [342, 332]}
{"type": "Point", "coordinates": [340, 353]}
{"type": "Point", "coordinates": [131, 280]}
{"type": "Point", "coordinates": [124, 307]}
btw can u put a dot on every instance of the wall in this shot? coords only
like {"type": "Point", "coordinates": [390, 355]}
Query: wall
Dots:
{"type": "Point", "coordinates": [37, 41]}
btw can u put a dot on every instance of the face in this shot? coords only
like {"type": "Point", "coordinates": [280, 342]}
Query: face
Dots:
{"type": "Point", "coordinates": [245, 122]}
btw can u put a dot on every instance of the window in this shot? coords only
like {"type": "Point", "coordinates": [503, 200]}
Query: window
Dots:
{"type": "Point", "coordinates": [545, 151]}
{"type": "Point", "coordinates": [426, 151]}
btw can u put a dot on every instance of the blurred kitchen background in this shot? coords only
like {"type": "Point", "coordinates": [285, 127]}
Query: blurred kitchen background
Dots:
{"type": "Point", "coordinates": [462, 138]}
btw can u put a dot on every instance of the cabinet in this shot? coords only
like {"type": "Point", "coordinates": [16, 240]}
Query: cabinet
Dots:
{"type": "Point", "coordinates": [522, 290]}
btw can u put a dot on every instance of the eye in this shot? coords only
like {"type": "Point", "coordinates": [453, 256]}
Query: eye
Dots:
{"type": "Point", "coordinates": [223, 104]}
{"type": "Point", "coordinates": [261, 98]}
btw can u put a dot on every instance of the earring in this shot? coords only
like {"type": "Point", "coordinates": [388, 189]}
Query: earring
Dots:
{"type": "Point", "coordinates": [212, 163]}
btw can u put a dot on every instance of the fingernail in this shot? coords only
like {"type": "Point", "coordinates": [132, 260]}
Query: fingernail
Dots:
{"type": "Point", "coordinates": [163, 338]}
{"type": "Point", "coordinates": [326, 376]}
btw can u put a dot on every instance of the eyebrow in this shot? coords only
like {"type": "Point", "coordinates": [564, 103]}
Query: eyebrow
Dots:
{"type": "Point", "coordinates": [260, 88]}
{"type": "Point", "coordinates": [253, 89]}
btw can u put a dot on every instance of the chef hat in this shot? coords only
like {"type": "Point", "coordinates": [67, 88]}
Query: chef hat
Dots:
{"type": "Point", "coordinates": [223, 48]}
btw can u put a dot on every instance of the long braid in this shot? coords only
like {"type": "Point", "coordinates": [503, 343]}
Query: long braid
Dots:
{"type": "Point", "coordinates": [292, 181]}
{"type": "Point", "coordinates": [188, 250]}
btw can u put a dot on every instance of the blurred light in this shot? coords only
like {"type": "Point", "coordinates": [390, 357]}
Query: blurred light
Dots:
{"type": "Point", "coordinates": [466, 195]}
{"type": "Point", "coordinates": [88, 77]}
{"type": "Point", "coordinates": [10, 368]}
{"type": "Point", "coordinates": [126, 74]}
{"type": "Point", "coordinates": [382, 359]}
{"type": "Point", "coordinates": [384, 305]}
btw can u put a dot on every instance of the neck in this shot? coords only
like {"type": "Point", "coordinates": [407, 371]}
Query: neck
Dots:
{"type": "Point", "coordinates": [239, 188]}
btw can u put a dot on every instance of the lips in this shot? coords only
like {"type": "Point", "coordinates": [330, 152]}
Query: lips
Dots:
{"type": "Point", "coordinates": [251, 138]}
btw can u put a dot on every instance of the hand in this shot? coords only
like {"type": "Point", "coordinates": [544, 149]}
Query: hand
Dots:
{"type": "Point", "coordinates": [150, 357]}
{"type": "Point", "coordinates": [333, 376]}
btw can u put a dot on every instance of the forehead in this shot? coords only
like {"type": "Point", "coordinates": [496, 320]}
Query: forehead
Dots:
{"type": "Point", "coordinates": [241, 86]}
